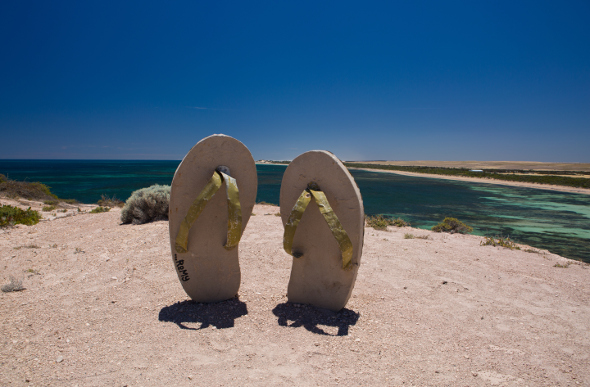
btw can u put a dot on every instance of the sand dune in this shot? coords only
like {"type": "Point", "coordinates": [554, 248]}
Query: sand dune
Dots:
{"type": "Point", "coordinates": [103, 306]}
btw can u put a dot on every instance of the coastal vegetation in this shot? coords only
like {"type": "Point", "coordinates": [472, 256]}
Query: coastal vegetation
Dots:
{"type": "Point", "coordinates": [412, 236]}
{"type": "Point", "coordinates": [500, 241]}
{"type": "Point", "coordinates": [380, 222]}
{"type": "Point", "coordinates": [9, 216]}
{"type": "Point", "coordinates": [30, 191]}
{"type": "Point", "coordinates": [15, 285]}
{"type": "Point", "coordinates": [100, 209]}
{"type": "Point", "coordinates": [563, 178]}
{"type": "Point", "coordinates": [25, 190]}
{"type": "Point", "coordinates": [452, 225]}
{"type": "Point", "coordinates": [106, 201]}
{"type": "Point", "coordinates": [147, 205]}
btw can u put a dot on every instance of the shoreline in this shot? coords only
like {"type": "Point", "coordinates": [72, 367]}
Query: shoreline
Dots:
{"type": "Point", "coordinates": [559, 188]}
{"type": "Point", "coordinates": [473, 164]}
{"type": "Point", "coordinates": [549, 187]}
{"type": "Point", "coordinates": [257, 163]}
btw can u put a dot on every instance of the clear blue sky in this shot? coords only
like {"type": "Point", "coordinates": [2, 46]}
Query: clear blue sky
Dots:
{"type": "Point", "coordinates": [413, 80]}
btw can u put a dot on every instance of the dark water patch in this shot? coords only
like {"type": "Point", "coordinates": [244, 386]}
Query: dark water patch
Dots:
{"type": "Point", "coordinates": [269, 183]}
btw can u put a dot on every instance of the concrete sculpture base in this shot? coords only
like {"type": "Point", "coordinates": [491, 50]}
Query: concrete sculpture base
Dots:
{"type": "Point", "coordinates": [207, 271]}
{"type": "Point", "coordinates": [317, 276]}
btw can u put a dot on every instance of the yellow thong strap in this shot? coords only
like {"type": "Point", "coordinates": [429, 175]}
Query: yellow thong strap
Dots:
{"type": "Point", "coordinates": [330, 217]}
{"type": "Point", "coordinates": [234, 209]}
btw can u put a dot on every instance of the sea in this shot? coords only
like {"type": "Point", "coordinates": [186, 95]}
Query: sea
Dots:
{"type": "Point", "coordinates": [556, 221]}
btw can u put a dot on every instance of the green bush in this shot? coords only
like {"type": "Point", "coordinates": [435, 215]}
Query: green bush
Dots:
{"type": "Point", "coordinates": [504, 242]}
{"type": "Point", "coordinates": [23, 189]}
{"type": "Point", "coordinates": [99, 209]}
{"type": "Point", "coordinates": [399, 222]}
{"type": "Point", "coordinates": [10, 216]}
{"type": "Point", "coordinates": [452, 225]}
{"type": "Point", "coordinates": [380, 222]}
{"type": "Point", "coordinates": [31, 191]}
{"type": "Point", "coordinates": [147, 205]}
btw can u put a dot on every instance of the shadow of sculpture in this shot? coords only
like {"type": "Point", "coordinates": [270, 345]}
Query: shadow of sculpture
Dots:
{"type": "Point", "coordinates": [219, 314]}
{"type": "Point", "coordinates": [311, 317]}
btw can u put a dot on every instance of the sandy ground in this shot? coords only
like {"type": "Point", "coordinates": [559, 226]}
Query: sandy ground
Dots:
{"type": "Point", "coordinates": [549, 187]}
{"type": "Point", "coordinates": [103, 306]}
{"type": "Point", "coordinates": [521, 165]}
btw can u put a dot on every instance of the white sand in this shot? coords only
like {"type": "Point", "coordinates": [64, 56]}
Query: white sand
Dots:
{"type": "Point", "coordinates": [549, 187]}
{"type": "Point", "coordinates": [103, 306]}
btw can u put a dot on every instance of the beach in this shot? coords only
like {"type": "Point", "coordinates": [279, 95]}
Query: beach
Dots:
{"type": "Point", "coordinates": [517, 165]}
{"type": "Point", "coordinates": [103, 306]}
{"type": "Point", "coordinates": [509, 165]}
{"type": "Point", "coordinates": [559, 188]}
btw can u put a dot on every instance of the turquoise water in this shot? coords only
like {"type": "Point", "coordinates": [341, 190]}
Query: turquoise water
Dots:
{"type": "Point", "coordinates": [559, 222]}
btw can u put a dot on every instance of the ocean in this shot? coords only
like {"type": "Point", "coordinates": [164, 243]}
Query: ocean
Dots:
{"type": "Point", "coordinates": [556, 221]}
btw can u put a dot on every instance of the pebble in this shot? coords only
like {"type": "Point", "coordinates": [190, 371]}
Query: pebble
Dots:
{"type": "Point", "coordinates": [59, 359]}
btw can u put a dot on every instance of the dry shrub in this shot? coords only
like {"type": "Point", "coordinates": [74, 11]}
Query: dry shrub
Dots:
{"type": "Point", "coordinates": [504, 242]}
{"type": "Point", "coordinates": [106, 201]}
{"type": "Point", "coordinates": [15, 285]}
{"type": "Point", "coordinates": [452, 225]}
{"type": "Point", "coordinates": [147, 205]}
